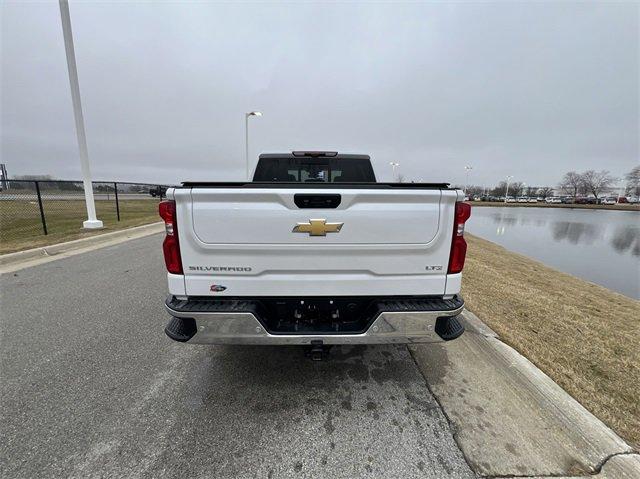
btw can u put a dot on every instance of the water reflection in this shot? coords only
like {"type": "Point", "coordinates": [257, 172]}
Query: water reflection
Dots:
{"type": "Point", "coordinates": [575, 233]}
{"type": "Point", "coordinates": [626, 238]}
{"type": "Point", "coordinates": [504, 220]}
{"type": "Point", "coordinates": [596, 245]}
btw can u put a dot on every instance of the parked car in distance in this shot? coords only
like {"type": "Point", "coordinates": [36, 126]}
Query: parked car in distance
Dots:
{"type": "Point", "coordinates": [634, 199]}
{"type": "Point", "coordinates": [522, 199]}
{"type": "Point", "coordinates": [511, 199]}
{"type": "Point", "coordinates": [610, 200]}
{"type": "Point", "coordinates": [622, 199]}
{"type": "Point", "coordinates": [532, 199]}
{"type": "Point", "coordinates": [158, 191]}
{"type": "Point", "coordinates": [553, 200]}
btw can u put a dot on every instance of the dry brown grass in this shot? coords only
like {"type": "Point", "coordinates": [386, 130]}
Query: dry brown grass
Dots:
{"type": "Point", "coordinates": [584, 336]}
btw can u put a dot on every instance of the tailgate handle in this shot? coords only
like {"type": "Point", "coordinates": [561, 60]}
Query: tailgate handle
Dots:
{"type": "Point", "coordinates": [305, 200]}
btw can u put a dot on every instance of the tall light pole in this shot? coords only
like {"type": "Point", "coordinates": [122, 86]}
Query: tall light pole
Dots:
{"type": "Point", "coordinates": [246, 136]}
{"type": "Point", "coordinates": [92, 221]}
{"type": "Point", "coordinates": [621, 191]}
{"type": "Point", "coordinates": [467, 170]}
{"type": "Point", "coordinates": [394, 165]}
{"type": "Point", "coordinates": [506, 193]}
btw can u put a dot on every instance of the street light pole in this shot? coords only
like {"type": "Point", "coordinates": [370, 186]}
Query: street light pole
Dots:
{"type": "Point", "coordinates": [622, 188]}
{"type": "Point", "coordinates": [394, 165]}
{"type": "Point", "coordinates": [506, 193]}
{"type": "Point", "coordinates": [246, 136]}
{"type": "Point", "coordinates": [92, 221]}
{"type": "Point", "coordinates": [466, 185]}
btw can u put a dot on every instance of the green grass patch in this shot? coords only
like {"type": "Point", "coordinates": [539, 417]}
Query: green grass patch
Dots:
{"type": "Point", "coordinates": [21, 224]}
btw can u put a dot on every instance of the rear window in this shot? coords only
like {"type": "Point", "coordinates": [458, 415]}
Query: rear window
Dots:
{"type": "Point", "coordinates": [314, 170]}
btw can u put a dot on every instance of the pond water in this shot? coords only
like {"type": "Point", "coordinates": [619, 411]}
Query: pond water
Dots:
{"type": "Point", "coordinates": [601, 246]}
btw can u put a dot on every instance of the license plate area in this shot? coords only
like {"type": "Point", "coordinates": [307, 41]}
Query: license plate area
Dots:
{"type": "Point", "coordinates": [317, 315]}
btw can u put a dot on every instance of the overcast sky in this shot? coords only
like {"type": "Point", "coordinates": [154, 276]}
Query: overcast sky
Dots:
{"type": "Point", "coordinates": [530, 89]}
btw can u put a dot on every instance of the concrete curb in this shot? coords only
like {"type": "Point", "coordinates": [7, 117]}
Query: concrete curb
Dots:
{"type": "Point", "coordinates": [619, 466]}
{"type": "Point", "coordinates": [512, 420]}
{"type": "Point", "coordinates": [23, 259]}
{"type": "Point", "coordinates": [476, 325]}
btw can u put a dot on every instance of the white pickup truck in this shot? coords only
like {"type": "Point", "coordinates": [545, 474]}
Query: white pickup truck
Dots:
{"type": "Point", "coordinates": [314, 252]}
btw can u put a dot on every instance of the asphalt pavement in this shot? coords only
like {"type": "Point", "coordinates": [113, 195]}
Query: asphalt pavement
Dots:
{"type": "Point", "coordinates": [91, 387]}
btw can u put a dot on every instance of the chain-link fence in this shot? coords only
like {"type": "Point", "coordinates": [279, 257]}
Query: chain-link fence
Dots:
{"type": "Point", "coordinates": [36, 208]}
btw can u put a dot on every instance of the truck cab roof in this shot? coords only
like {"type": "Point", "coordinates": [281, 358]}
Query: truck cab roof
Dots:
{"type": "Point", "coordinates": [316, 154]}
{"type": "Point", "coordinates": [314, 167]}
{"type": "Point", "coordinates": [312, 170]}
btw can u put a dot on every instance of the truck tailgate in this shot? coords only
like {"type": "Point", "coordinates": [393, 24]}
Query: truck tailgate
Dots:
{"type": "Point", "coordinates": [268, 216]}
{"type": "Point", "coordinates": [375, 241]}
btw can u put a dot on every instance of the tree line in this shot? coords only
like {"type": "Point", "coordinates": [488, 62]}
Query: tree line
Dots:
{"type": "Point", "coordinates": [573, 184]}
{"type": "Point", "coordinates": [595, 183]}
{"type": "Point", "coordinates": [49, 183]}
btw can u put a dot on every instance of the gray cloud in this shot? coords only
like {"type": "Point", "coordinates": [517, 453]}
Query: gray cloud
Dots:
{"type": "Point", "coordinates": [530, 90]}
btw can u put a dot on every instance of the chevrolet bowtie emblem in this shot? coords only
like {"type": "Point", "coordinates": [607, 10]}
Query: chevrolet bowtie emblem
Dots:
{"type": "Point", "coordinates": [317, 227]}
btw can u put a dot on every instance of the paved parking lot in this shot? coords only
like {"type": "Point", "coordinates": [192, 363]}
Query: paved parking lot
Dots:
{"type": "Point", "coordinates": [91, 387]}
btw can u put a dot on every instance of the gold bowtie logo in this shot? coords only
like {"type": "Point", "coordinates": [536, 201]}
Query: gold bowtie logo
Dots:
{"type": "Point", "coordinates": [317, 227]}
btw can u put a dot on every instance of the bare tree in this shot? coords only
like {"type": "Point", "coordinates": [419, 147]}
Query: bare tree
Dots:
{"type": "Point", "coordinates": [500, 189]}
{"type": "Point", "coordinates": [532, 190]}
{"type": "Point", "coordinates": [633, 181]}
{"type": "Point", "coordinates": [597, 181]}
{"type": "Point", "coordinates": [515, 188]}
{"type": "Point", "coordinates": [572, 183]}
{"type": "Point", "coordinates": [545, 191]}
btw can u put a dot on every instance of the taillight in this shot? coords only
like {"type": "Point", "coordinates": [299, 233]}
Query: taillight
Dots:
{"type": "Point", "coordinates": [458, 244]}
{"type": "Point", "coordinates": [170, 246]}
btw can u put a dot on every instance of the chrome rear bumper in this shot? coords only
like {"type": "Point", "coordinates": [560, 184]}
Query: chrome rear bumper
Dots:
{"type": "Point", "coordinates": [244, 328]}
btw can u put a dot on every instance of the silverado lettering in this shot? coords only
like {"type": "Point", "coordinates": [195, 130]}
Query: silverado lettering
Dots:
{"type": "Point", "coordinates": [219, 268]}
